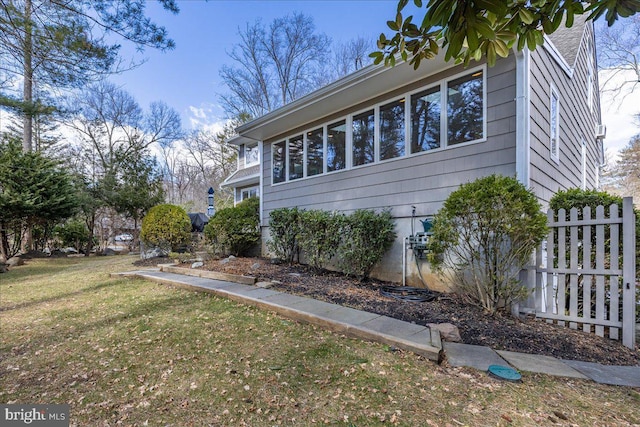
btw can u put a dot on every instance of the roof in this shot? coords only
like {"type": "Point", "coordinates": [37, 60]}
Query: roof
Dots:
{"type": "Point", "coordinates": [245, 176]}
{"type": "Point", "coordinates": [357, 87]}
{"type": "Point", "coordinates": [567, 40]}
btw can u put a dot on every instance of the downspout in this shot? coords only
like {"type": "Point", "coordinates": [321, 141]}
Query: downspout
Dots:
{"type": "Point", "coordinates": [523, 134]}
{"type": "Point", "coordinates": [261, 188]}
{"type": "Point", "coordinates": [523, 118]}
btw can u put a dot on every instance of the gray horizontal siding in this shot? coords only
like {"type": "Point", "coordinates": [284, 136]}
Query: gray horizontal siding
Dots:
{"type": "Point", "coordinates": [423, 180]}
{"type": "Point", "coordinates": [576, 121]}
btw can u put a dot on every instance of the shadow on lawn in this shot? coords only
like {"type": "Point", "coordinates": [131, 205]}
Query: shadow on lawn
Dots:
{"type": "Point", "coordinates": [58, 297]}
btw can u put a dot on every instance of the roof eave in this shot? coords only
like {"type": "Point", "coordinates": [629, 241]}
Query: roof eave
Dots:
{"type": "Point", "coordinates": [352, 89]}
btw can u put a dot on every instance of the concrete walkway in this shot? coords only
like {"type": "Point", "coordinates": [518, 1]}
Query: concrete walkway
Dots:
{"type": "Point", "coordinates": [407, 336]}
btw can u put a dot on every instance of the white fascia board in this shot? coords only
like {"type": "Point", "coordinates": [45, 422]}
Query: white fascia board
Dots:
{"type": "Point", "coordinates": [557, 56]}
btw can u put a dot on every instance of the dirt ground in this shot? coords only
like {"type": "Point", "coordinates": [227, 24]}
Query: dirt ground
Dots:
{"type": "Point", "coordinates": [476, 327]}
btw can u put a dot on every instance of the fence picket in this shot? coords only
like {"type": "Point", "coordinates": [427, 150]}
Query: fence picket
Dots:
{"type": "Point", "coordinates": [562, 264]}
{"type": "Point", "coordinates": [614, 286]}
{"type": "Point", "coordinates": [573, 265]}
{"type": "Point", "coordinates": [600, 251]}
{"type": "Point", "coordinates": [586, 263]}
{"type": "Point", "coordinates": [548, 303]}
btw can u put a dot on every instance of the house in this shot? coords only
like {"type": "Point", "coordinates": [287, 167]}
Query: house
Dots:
{"type": "Point", "coordinates": [404, 138]}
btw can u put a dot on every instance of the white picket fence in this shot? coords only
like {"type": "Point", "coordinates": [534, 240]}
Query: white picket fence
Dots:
{"type": "Point", "coordinates": [584, 273]}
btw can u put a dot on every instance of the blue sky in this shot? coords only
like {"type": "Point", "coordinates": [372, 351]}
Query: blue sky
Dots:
{"type": "Point", "coordinates": [188, 80]}
{"type": "Point", "coordinates": [187, 77]}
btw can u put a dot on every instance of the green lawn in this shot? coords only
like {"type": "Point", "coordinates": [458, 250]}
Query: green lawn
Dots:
{"type": "Point", "coordinates": [131, 352]}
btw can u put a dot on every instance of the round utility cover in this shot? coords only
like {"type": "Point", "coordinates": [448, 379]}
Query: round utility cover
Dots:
{"type": "Point", "coordinates": [505, 373]}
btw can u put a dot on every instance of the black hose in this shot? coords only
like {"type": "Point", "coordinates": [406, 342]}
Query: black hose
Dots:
{"type": "Point", "coordinates": [408, 293]}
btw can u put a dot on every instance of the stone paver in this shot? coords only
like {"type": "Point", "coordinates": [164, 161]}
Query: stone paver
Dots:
{"type": "Point", "coordinates": [539, 363]}
{"type": "Point", "coordinates": [473, 356]}
{"type": "Point", "coordinates": [284, 300]}
{"type": "Point", "coordinates": [351, 316]}
{"type": "Point", "coordinates": [390, 326]}
{"type": "Point", "coordinates": [604, 374]}
{"type": "Point", "coordinates": [312, 306]}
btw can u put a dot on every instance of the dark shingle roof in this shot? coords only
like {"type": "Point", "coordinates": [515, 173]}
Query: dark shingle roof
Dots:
{"type": "Point", "coordinates": [567, 40]}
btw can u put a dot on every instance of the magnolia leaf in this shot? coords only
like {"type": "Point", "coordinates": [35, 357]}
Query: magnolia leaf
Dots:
{"type": "Point", "coordinates": [472, 39]}
{"type": "Point", "coordinates": [501, 48]}
{"type": "Point", "coordinates": [526, 16]}
{"type": "Point", "coordinates": [491, 54]}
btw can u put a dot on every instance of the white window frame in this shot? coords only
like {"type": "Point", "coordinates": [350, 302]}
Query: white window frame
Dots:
{"type": "Point", "coordinates": [285, 162]}
{"type": "Point", "coordinates": [240, 195]}
{"type": "Point", "coordinates": [253, 146]}
{"type": "Point", "coordinates": [583, 162]}
{"type": "Point", "coordinates": [554, 133]}
{"type": "Point", "coordinates": [376, 136]}
{"type": "Point", "coordinates": [443, 88]}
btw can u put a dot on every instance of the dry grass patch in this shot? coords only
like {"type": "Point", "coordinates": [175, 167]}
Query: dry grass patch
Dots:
{"type": "Point", "coordinates": [134, 353]}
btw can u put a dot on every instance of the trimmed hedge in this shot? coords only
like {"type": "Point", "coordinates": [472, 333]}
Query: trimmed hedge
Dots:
{"type": "Point", "coordinates": [483, 236]}
{"type": "Point", "coordinates": [167, 227]}
{"type": "Point", "coordinates": [235, 230]}
{"type": "Point", "coordinates": [366, 237]}
{"type": "Point", "coordinates": [358, 241]}
{"type": "Point", "coordinates": [284, 228]}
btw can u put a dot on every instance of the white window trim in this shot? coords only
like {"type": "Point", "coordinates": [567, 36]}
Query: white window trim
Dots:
{"type": "Point", "coordinates": [257, 161]}
{"type": "Point", "coordinates": [555, 156]}
{"type": "Point", "coordinates": [248, 189]}
{"type": "Point", "coordinates": [442, 84]}
{"type": "Point", "coordinates": [376, 136]}
{"type": "Point", "coordinates": [583, 161]}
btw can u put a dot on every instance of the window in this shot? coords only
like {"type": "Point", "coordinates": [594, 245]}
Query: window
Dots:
{"type": "Point", "coordinates": [392, 130]}
{"type": "Point", "coordinates": [449, 112]}
{"type": "Point", "coordinates": [315, 148]}
{"type": "Point", "coordinates": [554, 125]}
{"type": "Point", "coordinates": [279, 156]}
{"type": "Point", "coordinates": [465, 110]}
{"type": "Point", "coordinates": [590, 85]}
{"type": "Point", "coordinates": [584, 164]}
{"type": "Point", "coordinates": [363, 129]}
{"type": "Point", "coordinates": [336, 146]}
{"type": "Point", "coordinates": [248, 192]}
{"type": "Point", "coordinates": [425, 120]}
{"type": "Point", "coordinates": [251, 154]}
{"type": "Point", "coordinates": [295, 157]}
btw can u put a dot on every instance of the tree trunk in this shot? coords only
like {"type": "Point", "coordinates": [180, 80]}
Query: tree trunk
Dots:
{"type": "Point", "coordinates": [27, 138]}
{"type": "Point", "coordinates": [4, 242]}
{"type": "Point", "coordinates": [27, 141]}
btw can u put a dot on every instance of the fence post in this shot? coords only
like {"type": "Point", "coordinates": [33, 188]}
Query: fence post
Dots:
{"type": "Point", "coordinates": [628, 273]}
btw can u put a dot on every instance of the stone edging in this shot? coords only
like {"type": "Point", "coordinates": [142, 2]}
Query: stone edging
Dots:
{"type": "Point", "coordinates": [206, 274]}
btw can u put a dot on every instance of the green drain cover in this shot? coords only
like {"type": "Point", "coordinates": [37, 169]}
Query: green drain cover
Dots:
{"type": "Point", "coordinates": [504, 373]}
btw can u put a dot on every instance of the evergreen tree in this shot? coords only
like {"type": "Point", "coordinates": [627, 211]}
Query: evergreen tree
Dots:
{"type": "Point", "coordinates": [34, 190]}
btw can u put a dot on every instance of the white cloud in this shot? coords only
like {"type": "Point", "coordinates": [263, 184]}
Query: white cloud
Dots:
{"type": "Point", "coordinates": [619, 108]}
{"type": "Point", "coordinates": [206, 117]}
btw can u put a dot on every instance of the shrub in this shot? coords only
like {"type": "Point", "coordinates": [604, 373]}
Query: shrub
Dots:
{"type": "Point", "coordinates": [319, 236]}
{"type": "Point", "coordinates": [578, 198]}
{"type": "Point", "coordinates": [366, 237]}
{"type": "Point", "coordinates": [483, 236]}
{"type": "Point", "coordinates": [235, 230]}
{"type": "Point", "coordinates": [284, 228]}
{"type": "Point", "coordinates": [73, 233]}
{"type": "Point", "coordinates": [167, 227]}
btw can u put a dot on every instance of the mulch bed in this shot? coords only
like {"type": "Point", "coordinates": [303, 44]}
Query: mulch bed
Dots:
{"type": "Point", "coordinates": [476, 327]}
